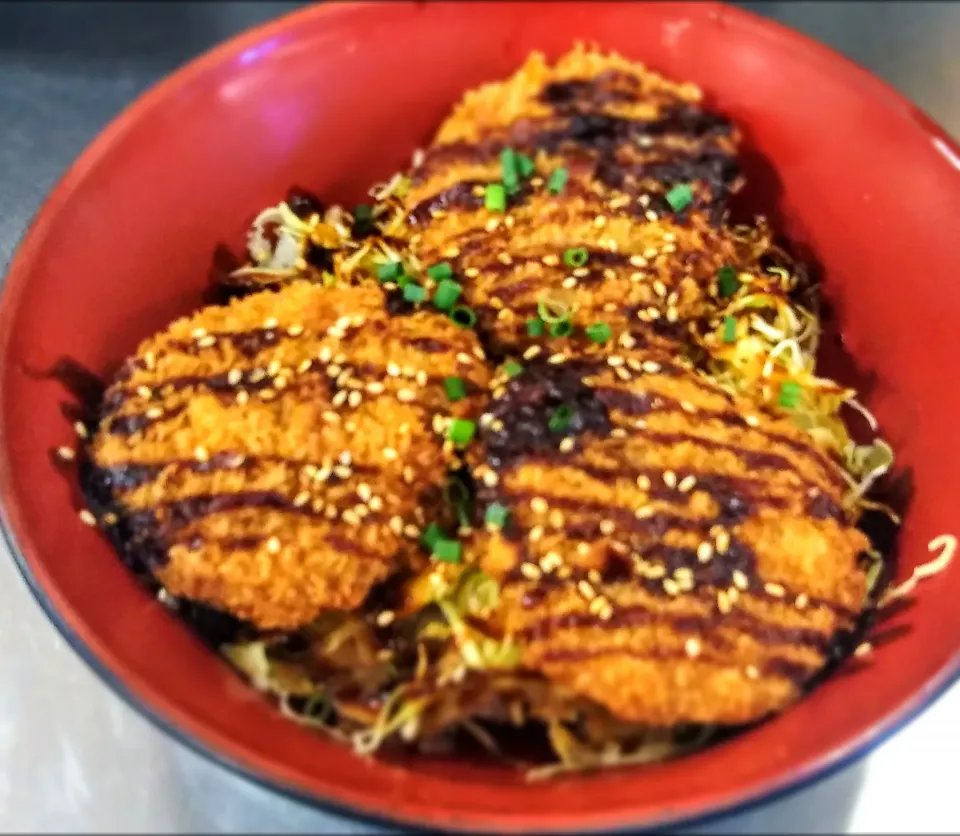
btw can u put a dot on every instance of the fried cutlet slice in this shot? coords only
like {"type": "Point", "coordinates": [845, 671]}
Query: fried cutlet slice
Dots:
{"type": "Point", "coordinates": [270, 458]}
{"type": "Point", "coordinates": [625, 138]}
{"type": "Point", "coordinates": [670, 552]}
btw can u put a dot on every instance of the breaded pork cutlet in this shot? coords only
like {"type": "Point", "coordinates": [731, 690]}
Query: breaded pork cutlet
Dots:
{"type": "Point", "coordinates": [616, 184]}
{"type": "Point", "coordinates": [273, 458]}
{"type": "Point", "coordinates": [668, 551]}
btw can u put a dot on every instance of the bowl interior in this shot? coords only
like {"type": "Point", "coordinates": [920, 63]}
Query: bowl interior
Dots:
{"type": "Point", "coordinates": [335, 99]}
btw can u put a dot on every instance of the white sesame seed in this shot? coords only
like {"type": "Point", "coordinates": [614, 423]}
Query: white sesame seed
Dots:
{"type": "Point", "coordinates": [551, 260]}
{"type": "Point", "coordinates": [723, 602]}
{"type": "Point", "coordinates": [556, 359]}
{"type": "Point", "coordinates": [200, 453]}
{"type": "Point", "coordinates": [600, 221]}
{"type": "Point", "coordinates": [539, 505]}
{"type": "Point", "coordinates": [670, 587]}
{"type": "Point", "coordinates": [396, 525]}
{"type": "Point", "coordinates": [354, 399]}
{"type": "Point", "coordinates": [569, 283]}
{"type": "Point", "coordinates": [340, 398]}
{"type": "Point", "coordinates": [531, 352]}
{"type": "Point", "coordinates": [644, 512]}
{"type": "Point", "coordinates": [87, 517]}
{"type": "Point", "coordinates": [597, 605]}
{"type": "Point", "coordinates": [752, 672]}
{"type": "Point", "coordinates": [802, 600]}
{"type": "Point", "coordinates": [301, 499]}
{"type": "Point", "coordinates": [530, 572]}
{"type": "Point", "coordinates": [687, 483]}
{"type": "Point", "coordinates": [670, 479]}
{"type": "Point", "coordinates": [651, 367]}
{"type": "Point", "coordinates": [567, 445]}
{"type": "Point", "coordinates": [273, 545]}
{"type": "Point", "coordinates": [751, 420]}
{"type": "Point", "coordinates": [607, 527]}
{"type": "Point", "coordinates": [686, 406]}
{"type": "Point", "coordinates": [651, 216]}
{"type": "Point", "coordinates": [638, 261]}
{"type": "Point", "coordinates": [692, 647]}
{"type": "Point", "coordinates": [704, 552]}
{"type": "Point", "coordinates": [774, 589]}
{"type": "Point", "coordinates": [243, 396]}
{"type": "Point", "coordinates": [406, 396]}
{"type": "Point", "coordinates": [722, 541]}
{"type": "Point", "coordinates": [863, 649]}
{"type": "Point", "coordinates": [740, 580]}
{"type": "Point", "coordinates": [350, 517]}
{"type": "Point", "coordinates": [535, 533]}
{"type": "Point", "coordinates": [643, 482]}
{"type": "Point", "coordinates": [66, 453]}
{"type": "Point", "coordinates": [586, 590]}
{"type": "Point", "coordinates": [80, 429]}
{"type": "Point", "coordinates": [614, 360]}
{"type": "Point", "coordinates": [411, 531]}
{"type": "Point", "coordinates": [386, 618]}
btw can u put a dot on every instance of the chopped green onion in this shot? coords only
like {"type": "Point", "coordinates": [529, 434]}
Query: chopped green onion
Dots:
{"type": "Point", "coordinates": [552, 309]}
{"type": "Point", "coordinates": [403, 280]}
{"type": "Point", "coordinates": [440, 271]}
{"type": "Point", "coordinates": [363, 213]}
{"type": "Point", "coordinates": [509, 169]}
{"type": "Point", "coordinates": [447, 550]}
{"type": "Point", "coordinates": [413, 292]}
{"type": "Point", "coordinates": [461, 431]}
{"type": "Point", "coordinates": [558, 179]}
{"type": "Point", "coordinates": [561, 418]}
{"type": "Point", "coordinates": [463, 316]}
{"type": "Point", "coordinates": [525, 165]}
{"type": "Point", "coordinates": [729, 329]}
{"type": "Point", "coordinates": [446, 294]}
{"type": "Point", "coordinates": [727, 282]}
{"type": "Point", "coordinates": [496, 515]}
{"type": "Point", "coordinates": [432, 536]}
{"type": "Point", "coordinates": [512, 368]}
{"type": "Point", "coordinates": [789, 394]}
{"type": "Point", "coordinates": [680, 197]}
{"type": "Point", "coordinates": [458, 495]}
{"type": "Point", "coordinates": [535, 327]}
{"type": "Point", "coordinates": [575, 257]}
{"type": "Point", "coordinates": [389, 271]}
{"type": "Point", "coordinates": [562, 328]}
{"type": "Point", "coordinates": [456, 388]}
{"type": "Point", "coordinates": [599, 332]}
{"type": "Point", "coordinates": [495, 197]}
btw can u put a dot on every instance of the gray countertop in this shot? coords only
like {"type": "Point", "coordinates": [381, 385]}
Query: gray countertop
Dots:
{"type": "Point", "coordinates": [72, 756]}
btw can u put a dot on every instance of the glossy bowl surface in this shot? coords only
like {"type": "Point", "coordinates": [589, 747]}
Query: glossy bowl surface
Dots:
{"type": "Point", "coordinates": [336, 97]}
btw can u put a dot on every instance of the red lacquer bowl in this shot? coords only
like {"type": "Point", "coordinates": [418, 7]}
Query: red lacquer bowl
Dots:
{"type": "Point", "coordinates": [337, 97]}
